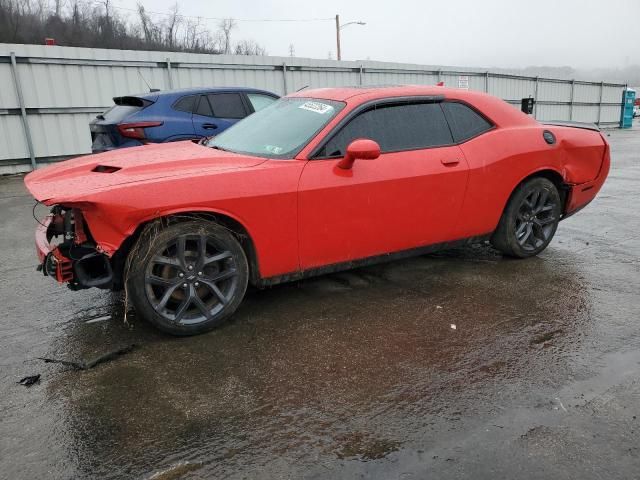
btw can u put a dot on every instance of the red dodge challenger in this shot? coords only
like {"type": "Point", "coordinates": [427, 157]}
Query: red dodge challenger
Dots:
{"type": "Point", "coordinates": [319, 181]}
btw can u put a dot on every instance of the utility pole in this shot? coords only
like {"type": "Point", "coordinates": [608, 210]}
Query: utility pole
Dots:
{"type": "Point", "coordinates": [340, 27]}
{"type": "Point", "coordinates": [338, 37]}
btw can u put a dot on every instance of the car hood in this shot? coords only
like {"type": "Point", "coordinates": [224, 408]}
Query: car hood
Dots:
{"type": "Point", "coordinates": [73, 179]}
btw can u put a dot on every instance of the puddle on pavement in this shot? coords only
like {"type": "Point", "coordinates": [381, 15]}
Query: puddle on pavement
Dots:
{"type": "Point", "coordinates": [349, 367]}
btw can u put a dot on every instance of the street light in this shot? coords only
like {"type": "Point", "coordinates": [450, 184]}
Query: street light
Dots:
{"type": "Point", "coordinates": [340, 27]}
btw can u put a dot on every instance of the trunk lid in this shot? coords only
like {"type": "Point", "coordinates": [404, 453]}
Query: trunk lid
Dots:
{"type": "Point", "coordinates": [567, 123]}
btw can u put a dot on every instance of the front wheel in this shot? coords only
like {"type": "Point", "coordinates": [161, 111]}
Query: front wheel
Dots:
{"type": "Point", "coordinates": [188, 277]}
{"type": "Point", "coordinates": [530, 219]}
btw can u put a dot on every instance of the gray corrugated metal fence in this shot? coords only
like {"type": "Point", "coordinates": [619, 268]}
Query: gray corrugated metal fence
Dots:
{"type": "Point", "coordinates": [49, 94]}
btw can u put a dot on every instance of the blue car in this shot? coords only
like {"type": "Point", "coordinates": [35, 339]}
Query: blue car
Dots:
{"type": "Point", "coordinates": [173, 115]}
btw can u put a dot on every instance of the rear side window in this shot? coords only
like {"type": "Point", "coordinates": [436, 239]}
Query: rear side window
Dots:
{"type": "Point", "coordinates": [227, 105]}
{"type": "Point", "coordinates": [203, 107]}
{"type": "Point", "coordinates": [258, 101]}
{"type": "Point", "coordinates": [465, 122]}
{"type": "Point", "coordinates": [395, 128]}
{"type": "Point", "coordinates": [185, 104]}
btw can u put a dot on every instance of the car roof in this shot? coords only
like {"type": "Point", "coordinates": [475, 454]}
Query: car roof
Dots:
{"type": "Point", "coordinates": [499, 111]}
{"type": "Point", "coordinates": [373, 92]}
{"type": "Point", "coordinates": [178, 92]}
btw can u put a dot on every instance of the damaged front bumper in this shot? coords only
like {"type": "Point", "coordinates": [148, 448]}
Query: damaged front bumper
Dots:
{"type": "Point", "coordinates": [67, 253]}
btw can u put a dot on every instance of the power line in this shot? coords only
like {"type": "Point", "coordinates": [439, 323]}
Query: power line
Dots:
{"type": "Point", "coordinates": [197, 17]}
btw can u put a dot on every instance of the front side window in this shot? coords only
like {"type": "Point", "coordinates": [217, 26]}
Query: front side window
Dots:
{"type": "Point", "coordinates": [279, 130]}
{"type": "Point", "coordinates": [227, 105]}
{"type": "Point", "coordinates": [395, 127]}
{"type": "Point", "coordinates": [465, 122]}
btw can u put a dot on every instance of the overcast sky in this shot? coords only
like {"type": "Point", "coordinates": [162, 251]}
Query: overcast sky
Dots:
{"type": "Point", "coordinates": [492, 33]}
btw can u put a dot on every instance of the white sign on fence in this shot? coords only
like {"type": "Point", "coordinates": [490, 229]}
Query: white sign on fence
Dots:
{"type": "Point", "coordinates": [463, 82]}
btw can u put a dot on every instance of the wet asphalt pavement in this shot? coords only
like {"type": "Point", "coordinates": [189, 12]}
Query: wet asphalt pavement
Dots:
{"type": "Point", "coordinates": [352, 375]}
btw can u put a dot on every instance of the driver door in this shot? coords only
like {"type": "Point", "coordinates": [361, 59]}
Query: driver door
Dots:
{"type": "Point", "coordinates": [409, 197]}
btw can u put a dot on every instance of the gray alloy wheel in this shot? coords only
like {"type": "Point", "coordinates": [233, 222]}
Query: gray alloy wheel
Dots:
{"type": "Point", "coordinates": [530, 219]}
{"type": "Point", "coordinates": [536, 219]}
{"type": "Point", "coordinates": [190, 277]}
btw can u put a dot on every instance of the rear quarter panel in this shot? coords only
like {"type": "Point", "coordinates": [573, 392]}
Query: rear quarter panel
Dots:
{"type": "Point", "coordinates": [498, 161]}
{"type": "Point", "coordinates": [581, 151]}
{"type": "Point", "coordinates": [502, 158]}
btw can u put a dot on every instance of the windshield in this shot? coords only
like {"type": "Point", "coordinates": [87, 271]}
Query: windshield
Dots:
{"type": "Point", "coordinates": [280, 130]}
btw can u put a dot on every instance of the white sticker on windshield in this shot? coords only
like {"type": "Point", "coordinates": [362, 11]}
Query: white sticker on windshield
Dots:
{"type": "Point", "coordinates": [317, 107]}
{"type": "Point", "coordinates": [273, 149]}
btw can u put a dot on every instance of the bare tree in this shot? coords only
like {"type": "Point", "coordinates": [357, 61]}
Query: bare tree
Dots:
{"type": "Point", "coordinates": [249, 47]}
{"type": "Point", "coordinates": [11, 20]}
{"type": "Point", "coordinates": [145, 22]}
{"type": "Point", "coordinates": [75, 13]}
{"type": "Point", "coordinates": [226, 26]}
{"type": "Point", "coordinates": [106, 11]}
{"type": "Point", "coordinates": [292, 50]}
{"type": "Point", "coordinates": [151, 31]}
{"type": "Point", "coordinates": [192, 36]}
{"type": "Point", "coordinates": [97, 24]}
{"type": "Point", "coordinates": [172, 26]}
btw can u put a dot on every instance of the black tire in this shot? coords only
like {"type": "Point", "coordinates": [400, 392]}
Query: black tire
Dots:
{"type": "Point", "coordinates": [530, 219]}
{"type": "Point", "coordinates": [187, 278]}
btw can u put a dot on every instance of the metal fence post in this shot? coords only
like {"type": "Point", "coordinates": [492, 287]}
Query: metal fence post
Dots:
{"type": "Point", "coordinates": [486, 81]}
{"type": "Point", "coordinates": [439, 76]}
{"type": "Point", "coordinates": [23, 110]}
{"type": "Point", "coordinates": [360, 75]}
{"type": "Point", "coordinates": [284, 77]}
{"type": "Point", "coordinates": [169, 73]}
{"type": "Point", "coordinates": [535, 101]}
{"type": "Point", "coordinates": [573, 86]}
{"type": "Point", "coordinates": [600, 103]}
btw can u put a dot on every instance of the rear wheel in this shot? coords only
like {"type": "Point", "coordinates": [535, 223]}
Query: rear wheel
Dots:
{"type": "Point", "coordinates": [188, 278]}
{"type": "Point", "coordinates": [530, 219]}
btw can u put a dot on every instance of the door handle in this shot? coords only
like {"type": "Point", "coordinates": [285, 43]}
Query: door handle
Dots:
{"type": "Point", "coordinates": [209, 126]}
{"type": "Point", "coordinates": [449, 162]}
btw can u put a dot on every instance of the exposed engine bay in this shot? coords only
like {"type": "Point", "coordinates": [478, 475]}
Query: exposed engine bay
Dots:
{"type": "Point", "coordinates": [73, 256]}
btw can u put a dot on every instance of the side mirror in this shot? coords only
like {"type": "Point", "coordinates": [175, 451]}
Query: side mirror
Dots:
{"type": "Point", "coordinates": [360, 149]}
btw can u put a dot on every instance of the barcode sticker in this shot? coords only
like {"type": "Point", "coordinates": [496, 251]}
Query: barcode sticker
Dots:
{"type": "Point", "coordinates": [317, 107]}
